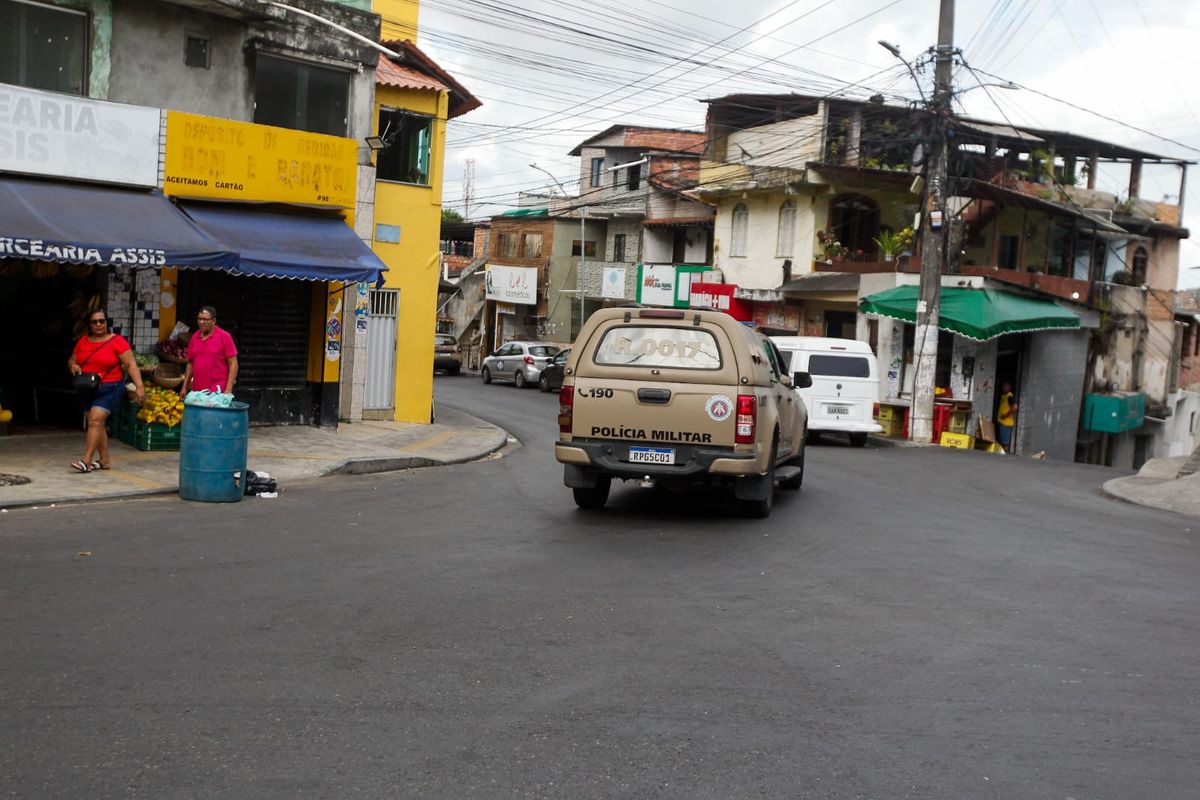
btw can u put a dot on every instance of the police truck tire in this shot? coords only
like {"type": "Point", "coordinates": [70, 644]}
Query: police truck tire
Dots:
{"type": "Point", "coordinates": [595, 497]}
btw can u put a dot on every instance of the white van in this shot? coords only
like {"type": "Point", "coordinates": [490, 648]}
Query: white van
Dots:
{"type": "Point", "coordinates": [845, 383]}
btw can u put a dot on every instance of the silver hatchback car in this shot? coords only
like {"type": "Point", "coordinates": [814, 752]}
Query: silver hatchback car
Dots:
{"type": "Point", "coordinates": [519, 362]}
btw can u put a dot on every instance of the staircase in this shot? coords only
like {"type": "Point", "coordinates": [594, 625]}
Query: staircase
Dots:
{"type": "Point", "coordinates": [1191, 466]}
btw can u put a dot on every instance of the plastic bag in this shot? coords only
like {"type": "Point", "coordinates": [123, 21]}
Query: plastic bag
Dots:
{"type": "Point", "coordinates": [259, 483]}
{"type": "Point", "coordinates": [208, 398]}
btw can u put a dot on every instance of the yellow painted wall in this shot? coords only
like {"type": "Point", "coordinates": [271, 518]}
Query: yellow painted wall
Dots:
{"type": "Point", "coordinates": [399, 18]}
{"type": "Point", "coordinates": [413, 264]}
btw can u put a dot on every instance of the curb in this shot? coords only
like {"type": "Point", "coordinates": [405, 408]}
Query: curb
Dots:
{"type": "Point", "coordinates": [366, 466]}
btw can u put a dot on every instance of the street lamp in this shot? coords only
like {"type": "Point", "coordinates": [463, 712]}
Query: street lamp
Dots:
{"type": "Point", "coordinates": [582, 243]}
{"type": "Point", "coordinates": [894, 49]}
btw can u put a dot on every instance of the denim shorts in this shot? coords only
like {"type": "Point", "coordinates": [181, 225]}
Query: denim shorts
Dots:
{"type": "Point", "coordinates": [108, 396]}
{"type": "Point", "coordinates": [1004, 433]}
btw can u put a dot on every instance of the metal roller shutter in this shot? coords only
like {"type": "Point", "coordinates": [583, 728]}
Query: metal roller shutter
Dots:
{"type": "Point", "coordinates": [268, 318]}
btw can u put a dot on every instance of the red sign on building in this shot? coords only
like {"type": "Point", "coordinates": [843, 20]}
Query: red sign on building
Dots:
{"type": "Point", "coordinates": [719, 296]}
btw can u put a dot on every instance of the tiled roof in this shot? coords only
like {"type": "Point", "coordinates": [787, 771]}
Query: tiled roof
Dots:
{"type": "Point", "coordinates": [389, 73]}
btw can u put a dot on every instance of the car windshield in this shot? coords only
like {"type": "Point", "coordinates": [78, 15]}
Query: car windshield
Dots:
{"type": "Point", "coordinates": [839, 366]}
{"type": "Point", "coordinates": [542, 350]}
{"type": "Point", "coordinates": [680, 348]}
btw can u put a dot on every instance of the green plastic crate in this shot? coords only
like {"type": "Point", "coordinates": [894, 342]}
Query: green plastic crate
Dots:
{"type": "Point", "coordinates": [150, 435]}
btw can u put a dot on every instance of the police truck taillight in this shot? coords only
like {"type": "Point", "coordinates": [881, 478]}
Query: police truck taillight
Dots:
{"type": "Point", "coordinates": [566, 408]}
{"type": "Point", "coordinates": [747, 418]}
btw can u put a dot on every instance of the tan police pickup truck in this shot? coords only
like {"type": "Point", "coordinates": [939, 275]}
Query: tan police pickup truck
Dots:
{"type": "Point", "coordinates": [678, 397]}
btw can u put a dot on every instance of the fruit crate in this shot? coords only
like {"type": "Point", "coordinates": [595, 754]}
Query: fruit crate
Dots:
{"type": "Point", "coordinates": [150, 435]}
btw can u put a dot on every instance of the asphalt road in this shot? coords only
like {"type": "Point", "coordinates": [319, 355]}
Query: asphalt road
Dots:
{"type": "Point", "coordinates": [914, 623]}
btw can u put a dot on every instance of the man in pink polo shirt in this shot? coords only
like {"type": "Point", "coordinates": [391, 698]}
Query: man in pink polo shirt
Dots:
{"type": "Point", "coordinates": [212, 357]}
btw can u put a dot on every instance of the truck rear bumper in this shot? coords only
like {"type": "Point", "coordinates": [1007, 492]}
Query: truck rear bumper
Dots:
{"type": "Point", "coordinates": [612, 459]}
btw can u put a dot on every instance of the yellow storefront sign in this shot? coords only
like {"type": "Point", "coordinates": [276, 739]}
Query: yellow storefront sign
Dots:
{"type": "Point", "coordinates": [230, 160]}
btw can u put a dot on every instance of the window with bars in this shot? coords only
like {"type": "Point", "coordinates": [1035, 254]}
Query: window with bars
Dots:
{"type": "Point", "coordinates": [618, 250]}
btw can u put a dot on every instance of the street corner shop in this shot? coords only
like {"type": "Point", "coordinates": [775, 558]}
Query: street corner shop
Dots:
{"type": "Point", "coordinates": [248, 218]}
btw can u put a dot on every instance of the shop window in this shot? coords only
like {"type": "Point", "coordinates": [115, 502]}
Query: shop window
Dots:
{"type": "Point", "coordinates": [597, 169]}
{"type": "Point", "coordinates": [589, 248]}
{"type": "Point", "coordinates": [406, 146]}
{"type": "Point", "coordinates": [301, 96]}
{"type": "Point", "coordinates": [786, 234]}
{"type": "Point", "coordinates": [506, 245]}
{"type": "Point", "coordinates": [741, 222]}
{"type": "Point", "coordinates": [531, 247]}
{"type": "Point", "coordinates": [618, 253]}
{"type": "Point", "coordinates": [43, 47]}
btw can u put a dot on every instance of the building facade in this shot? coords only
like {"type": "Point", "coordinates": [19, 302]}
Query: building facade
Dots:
{"type": "Point", "coordinates": [250, 121]}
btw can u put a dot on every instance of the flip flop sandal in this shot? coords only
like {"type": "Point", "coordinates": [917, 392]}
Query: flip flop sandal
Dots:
{"type": "Point", "coordinates": [81, 467]}
{"type": "Point", "coordinates": [99, 465]}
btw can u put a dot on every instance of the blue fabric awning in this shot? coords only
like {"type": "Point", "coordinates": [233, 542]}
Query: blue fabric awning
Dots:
{"type": "Point", "coordinates": [71, 223]}
{"type": "Point", "coordinates": [276, 244]}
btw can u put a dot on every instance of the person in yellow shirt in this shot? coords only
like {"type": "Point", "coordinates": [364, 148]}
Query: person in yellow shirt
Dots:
{"type": "Point", "coordinates": [1006, 416]}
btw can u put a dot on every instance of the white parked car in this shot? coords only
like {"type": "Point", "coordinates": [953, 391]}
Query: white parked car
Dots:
{"type": "Point", "coordinates": [845, 383]}
{"type": "Point", "coordinates": [519, 362]}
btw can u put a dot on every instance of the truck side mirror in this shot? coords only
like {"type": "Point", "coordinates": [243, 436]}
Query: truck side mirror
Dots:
{"type": "Point", "coordinates": [802, 380]}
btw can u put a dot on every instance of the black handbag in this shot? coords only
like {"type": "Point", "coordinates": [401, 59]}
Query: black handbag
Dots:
{"type": "Point", "coordinates": [86, 383]}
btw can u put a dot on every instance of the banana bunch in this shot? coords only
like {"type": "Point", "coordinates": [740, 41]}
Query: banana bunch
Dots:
{"type": "Point", "coordinates": [162, 405]}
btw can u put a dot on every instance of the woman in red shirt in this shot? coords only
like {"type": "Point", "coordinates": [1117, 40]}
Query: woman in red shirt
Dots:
{"type": "Point", "coordinates": [103, 352]}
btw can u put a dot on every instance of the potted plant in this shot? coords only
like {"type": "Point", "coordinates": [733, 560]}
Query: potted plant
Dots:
{"type": "Point", "coordinates": [889, 243]}
{"type": "Point", "coordinates": [831, 248]}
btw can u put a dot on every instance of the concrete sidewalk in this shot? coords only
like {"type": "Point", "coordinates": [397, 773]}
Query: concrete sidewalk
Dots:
{"type": "Point", "coordinates": [1155, 485]}
{"type": "Point", "coordinates": [287, 453]}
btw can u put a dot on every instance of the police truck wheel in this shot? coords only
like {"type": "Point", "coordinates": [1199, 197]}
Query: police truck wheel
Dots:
{"type": "Point", "coordinates": [594, 497]}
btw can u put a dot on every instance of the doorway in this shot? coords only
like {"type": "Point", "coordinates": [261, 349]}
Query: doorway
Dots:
{"type": "Point", "coordinates": [1008, 370]}
{"type": "Point", "coordinates": [379, 393]}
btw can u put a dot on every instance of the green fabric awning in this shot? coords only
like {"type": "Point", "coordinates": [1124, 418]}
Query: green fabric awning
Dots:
{"type": "Point", "coordinates": [980, 314]}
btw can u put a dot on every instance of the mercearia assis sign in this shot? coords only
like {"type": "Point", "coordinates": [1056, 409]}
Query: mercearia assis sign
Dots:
{"type": "Point", "coordinates": [74, 253]}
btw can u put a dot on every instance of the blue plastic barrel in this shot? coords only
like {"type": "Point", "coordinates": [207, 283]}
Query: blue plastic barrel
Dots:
{"type": "Point", "coordinates": [212, 453]}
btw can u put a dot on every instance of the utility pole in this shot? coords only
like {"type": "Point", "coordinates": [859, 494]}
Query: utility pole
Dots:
{"type": "Point", "coordinates": [933, 222]}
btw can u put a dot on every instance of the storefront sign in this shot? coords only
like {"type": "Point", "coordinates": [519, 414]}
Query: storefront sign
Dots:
{"type": "Point", "coordinates": [770, 315]}
{"type": "Point", "coordinates": [614, 283]}
{"type": "Point", "coordinates": [719, 296]}
{"type": "Point", "coordinates": [79, 253]}
{"type": "Point", "coordinates": [43, 133]}
{"type": "Point", "coordinates": [512, 284]}
{"type": "Point", "coordinates": [656, 285]}
{"type": "Point", "coordinates": [226, 159]}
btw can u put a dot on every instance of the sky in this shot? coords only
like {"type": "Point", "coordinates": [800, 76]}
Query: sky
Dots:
{"type": "Point", "coordinates": [552, 73]}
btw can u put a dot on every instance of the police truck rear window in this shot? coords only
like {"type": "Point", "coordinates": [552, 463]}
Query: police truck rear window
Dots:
{"type": "Point", "coordinates": [671, 348]}
{"type": "Point", "coordinates": [839, 366]}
